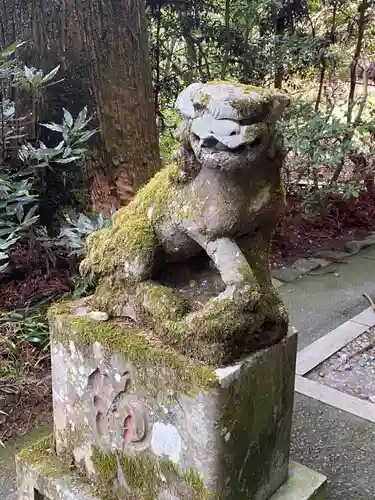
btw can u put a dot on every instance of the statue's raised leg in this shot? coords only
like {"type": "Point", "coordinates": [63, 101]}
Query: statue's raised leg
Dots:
{"type": "Point", "coordinates": [257, 249]}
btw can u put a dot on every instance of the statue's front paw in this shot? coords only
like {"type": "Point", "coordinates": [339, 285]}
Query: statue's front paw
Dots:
{"type": "Point", "coordinates": [248, 295]}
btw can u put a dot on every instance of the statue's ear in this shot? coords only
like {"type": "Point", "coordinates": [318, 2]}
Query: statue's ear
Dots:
{"type": "Point", "coordinates": [184, 102]}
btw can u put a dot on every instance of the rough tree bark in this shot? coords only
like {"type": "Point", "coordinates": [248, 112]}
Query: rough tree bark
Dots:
{"type": "Point", "coordinates": [102, 48]}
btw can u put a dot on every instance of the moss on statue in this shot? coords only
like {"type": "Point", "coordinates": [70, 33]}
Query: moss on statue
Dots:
{"type": "Point", "coordinates": [204, 99]}
{"type": "Point", "coordinates": [135, 345]}
{"type": "Point", "coordinates": [154, 194]}
{"type": "Point", "coordinates": [245, 87]}
{"type": "Point", "coordinates": [162, 302]}
{"type": "Point", "coordinates": [130, 239]}
{"type": "Point", "coordinates": [43, 452]}
{"type": "Point", "coordinates": [38, 451]}
{"type": "Point", "coordinates": [255, 131]}
{"type": "Point", "coordinates": [147, 476]}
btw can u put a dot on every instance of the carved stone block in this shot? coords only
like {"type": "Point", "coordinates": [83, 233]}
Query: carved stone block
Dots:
{"type": "Point", "coordinates": [123, 403]}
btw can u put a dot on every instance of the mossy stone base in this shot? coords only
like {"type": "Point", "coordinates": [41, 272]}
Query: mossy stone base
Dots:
{"type": "Point", "coordinates": [131, 411]}
{"type": "Point", "coordinates": [41, 474]}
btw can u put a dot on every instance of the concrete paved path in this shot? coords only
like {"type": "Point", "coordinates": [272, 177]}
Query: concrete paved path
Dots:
{"type": "Point", "coordinates": [318, 304]}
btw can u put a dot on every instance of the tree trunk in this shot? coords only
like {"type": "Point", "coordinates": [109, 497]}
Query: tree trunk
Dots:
{"type": "Point", "coordinates": [102, 48]}
{"type": "Point", "coordinates": [227, 40]}
{"type": "Point", "coordinates": [353, 65]}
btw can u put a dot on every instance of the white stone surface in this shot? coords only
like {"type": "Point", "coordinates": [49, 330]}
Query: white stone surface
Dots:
{"type": "Point", "coordinates": [166, 442]}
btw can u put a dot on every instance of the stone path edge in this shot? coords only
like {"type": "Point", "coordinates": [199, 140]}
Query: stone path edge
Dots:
{"type": "Point", "coordinates": [335, 398]}
{"type": "Point", "coordinates": [322, 349]}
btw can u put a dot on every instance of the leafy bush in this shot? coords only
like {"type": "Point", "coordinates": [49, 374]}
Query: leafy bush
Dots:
{"type": "Point", "coordinates": [78, 228]}
{"type": "Point", "coordinates": [21, 174]}
{"type": "Point", "coordinates": [317, 140]}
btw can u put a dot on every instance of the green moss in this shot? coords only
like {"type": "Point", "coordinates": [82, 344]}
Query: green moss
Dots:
{"type": "Point", "coordinates": [163, 302]}
{"type": "Point", "coordinates": [60, 308]}
{"type": "Point", "coordinates": [243, 86]}
{"type": "Point", "coordinates": [43, 452]}
{"type": "Point", "coordinates": [154, 194]}
{"type": "Point", "coordinates": [131, 241]}
{"type": "Point", "coordinates": [194, 479]}
{"type": "Point", "coordinates": [131, 236]}
{"type": "Point", "coordinates": [255, 131]}
{"type": "Point", "coordinates": [138, 347]}
{"type": "Point", "coordinates": [246, 272]}
{"type": "Point", "coordinates": [247, 418]}
{"type": "Point", "coordinates": [146, 476]}
{"type": "Point", "coordinates": [245, 106]}
{"type": "Point", "coordinates": [204, 99]}
{"type": "Point", "coordinates": [38, 451]}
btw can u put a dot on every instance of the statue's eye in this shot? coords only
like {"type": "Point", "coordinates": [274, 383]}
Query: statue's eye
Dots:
{"type": "Point", "coordinates": [233, 133]}
{"type": "Point", "coordinates": [198, 106]}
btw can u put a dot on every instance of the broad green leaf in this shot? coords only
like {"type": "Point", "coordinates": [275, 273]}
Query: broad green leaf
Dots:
{"type": "Point", "coordinates": [8, 51]}
{"type": "Point", "coordinates": [2, 268]}
{"type": "Point", "coordinates": [53, 126]}
{"type": "Point", "coordinates": [50, 75]}
{"type": "Point", "coordinates": [86, 136]}
{"type": "Point", "coordinates": [29, 222]}
{"type": "Point", "coordinates": [5, 244]}
{"type": "Point", "coordinates": [20, 213]}
{"type": "Point", "coordinates": [68, 118]}
{"type": "Point", "coordinates": [80, 121]}
{"type": "Point", "coordinates": [28, 73]}
{"type": "Point", "coordinates": [67, 152]}
{"type": "Point", "coordinates": [67, 160]}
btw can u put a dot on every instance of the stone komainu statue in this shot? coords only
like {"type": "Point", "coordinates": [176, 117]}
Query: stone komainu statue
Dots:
{"type": "Point", "coordinates": [221, 198]}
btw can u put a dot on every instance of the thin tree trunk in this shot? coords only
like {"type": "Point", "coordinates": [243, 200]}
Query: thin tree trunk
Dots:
{"type": "Point", "coordinates": [227, 40]}
{"type": "Point", "coordinates": [353, 66]}
{"type": "Point", "coordinates": [279, 68]}
{"type": "Point", "coordinates": [353, 81]}
{"type": "Point", "coordinates": [321, 85]}
{"type": "Point", "coordinates": [102, 48]}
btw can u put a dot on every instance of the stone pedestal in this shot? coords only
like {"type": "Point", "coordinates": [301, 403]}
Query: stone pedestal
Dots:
{"type": "Point", "coordinates": [134, 419]}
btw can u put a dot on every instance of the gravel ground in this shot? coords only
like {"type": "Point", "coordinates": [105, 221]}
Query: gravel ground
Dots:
{"type": "Point", "coordinates": [336, 444]}
{"type": "Point", "coordinates": [352, 369]}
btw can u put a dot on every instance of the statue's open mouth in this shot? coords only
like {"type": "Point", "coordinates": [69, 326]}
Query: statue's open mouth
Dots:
{"type": "Point", "coordinates": [212, 145]}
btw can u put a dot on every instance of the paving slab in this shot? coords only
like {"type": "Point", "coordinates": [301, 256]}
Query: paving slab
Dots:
{"type": "Point", "coordinates": [302, 484]}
